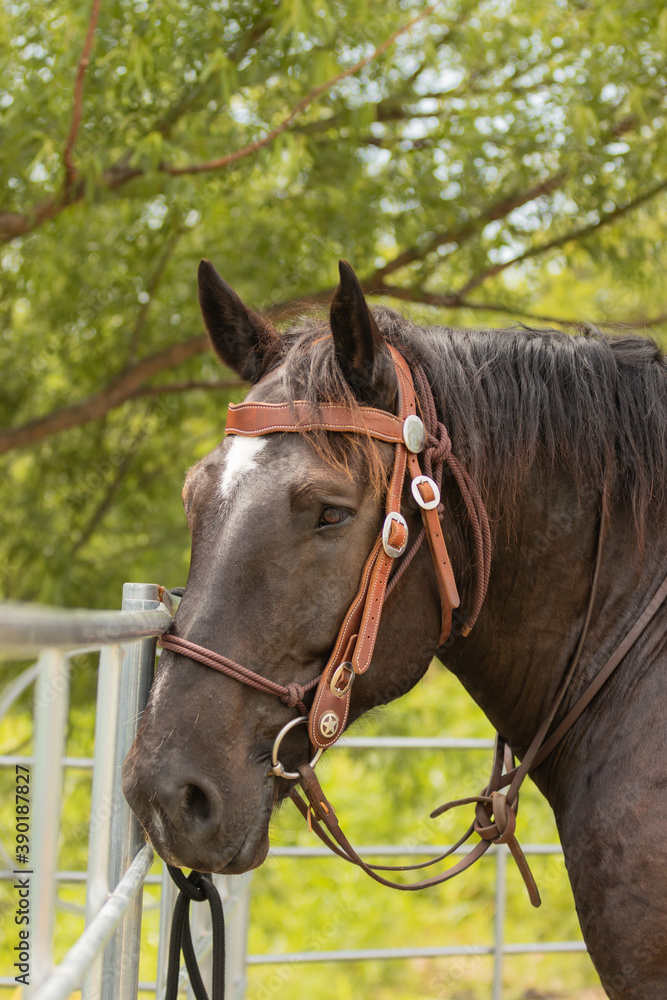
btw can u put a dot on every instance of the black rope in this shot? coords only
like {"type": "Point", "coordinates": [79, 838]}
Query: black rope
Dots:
{"type": "Point", "coordinates": [196, 887]}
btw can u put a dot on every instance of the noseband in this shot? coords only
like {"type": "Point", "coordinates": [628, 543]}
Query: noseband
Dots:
{"type": "Point", "coordinates": [412, 434]}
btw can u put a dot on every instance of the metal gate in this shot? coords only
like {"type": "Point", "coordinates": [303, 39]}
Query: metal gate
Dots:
{"type": "Point", "coordinates": [105, 959]}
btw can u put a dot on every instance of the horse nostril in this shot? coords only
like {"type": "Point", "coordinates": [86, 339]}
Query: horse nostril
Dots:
{"type": "Point", "coordinates": [188, 807]}
{"type": "Point", "coordinates": [197, 803]}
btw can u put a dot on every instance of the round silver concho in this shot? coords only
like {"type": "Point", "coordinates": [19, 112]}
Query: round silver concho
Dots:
{"type": "Point", "coordinates": [277, 768]}
{"type": "Point", "coordinates": [414, 433]}
{"type": "Point", "coordinates": [329, 725]}
{"type": "Point", "coordinates": [426, 504]}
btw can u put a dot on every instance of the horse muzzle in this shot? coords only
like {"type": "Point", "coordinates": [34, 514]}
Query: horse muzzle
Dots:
{"type": "Point", "coordinates": [191, 825]}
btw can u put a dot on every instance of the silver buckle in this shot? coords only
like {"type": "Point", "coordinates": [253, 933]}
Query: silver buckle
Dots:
{"type": "Point", "coordinates": [337, 674]}
{"type": "Point", "coordinates": [391, 550]}
{"type": "Point", "coordinates": [414, 433]}
{"type": "Point", "coordinates": [425, 504]}
{"type": "Point", "coordinates": [277, 767]}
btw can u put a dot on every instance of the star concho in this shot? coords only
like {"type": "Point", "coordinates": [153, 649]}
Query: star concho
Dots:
{"type": "Point", "coordinates": [329, 725]}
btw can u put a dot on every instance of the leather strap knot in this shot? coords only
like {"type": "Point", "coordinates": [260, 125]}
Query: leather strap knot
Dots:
{"type": "Point", "coordinates": [504, 818]}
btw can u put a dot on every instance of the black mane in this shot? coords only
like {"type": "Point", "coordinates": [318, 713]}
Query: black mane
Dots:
{"type": "Point", "coordinates": [591, 402]}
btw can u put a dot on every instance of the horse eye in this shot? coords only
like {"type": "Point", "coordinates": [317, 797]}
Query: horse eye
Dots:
{"type": "Point", "coordinates": [332, 515]}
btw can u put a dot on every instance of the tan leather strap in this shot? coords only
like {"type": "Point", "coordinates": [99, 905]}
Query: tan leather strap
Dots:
{"type": "Point", "coordinates": [363, 653]}
{"type": "Point", "coordinates": [447, 589]}
{"type": "Point", "coordinates": [330, 710]}
{"type": "Point", "coordinates": [253, 419]}
{"type": "Point", "coordinates": [335, 701]}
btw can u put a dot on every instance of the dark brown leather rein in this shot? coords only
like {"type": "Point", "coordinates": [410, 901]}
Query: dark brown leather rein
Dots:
{"type": "Point", "coordinates": [495, 811]}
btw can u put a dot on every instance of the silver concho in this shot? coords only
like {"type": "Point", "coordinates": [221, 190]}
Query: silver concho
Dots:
{"type": "Point", "coordinates": [414, 433]}
{"type": "Point", "coordinates": [329, 725]}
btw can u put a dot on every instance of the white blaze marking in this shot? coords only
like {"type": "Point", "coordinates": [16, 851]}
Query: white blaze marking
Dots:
{"type": "Point", "coordinates": [241, 459]}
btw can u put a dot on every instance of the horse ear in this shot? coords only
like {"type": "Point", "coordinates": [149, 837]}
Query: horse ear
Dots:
{"type": "Point", "coordinates": [360, 347]}
{"type": "Point", "coordinates": [240, 338]}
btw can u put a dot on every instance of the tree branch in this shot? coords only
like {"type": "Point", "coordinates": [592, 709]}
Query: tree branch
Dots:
{"type": "Point", "coordinates": [574, 234]}
{"type": "Point", "coordinates": [151, 289]}
{"type": "Point", "coordinates": [636, 323]}
{"type": "Point", "coordinates": [77, 101]}
{"type": "Point", "coordinates": [423, 297]}
{"type": "Point", "coordinates": [13, 224]}
{"type": "Point", "coordinates": [301, 106]}
{"type": "Point", "coordinates": [499, 210]}
{"type": "Point", "coordinates": [112, 395]}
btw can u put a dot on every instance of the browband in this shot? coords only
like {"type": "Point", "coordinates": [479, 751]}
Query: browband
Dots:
{"type": "Point", "coordinates": [250, 419]}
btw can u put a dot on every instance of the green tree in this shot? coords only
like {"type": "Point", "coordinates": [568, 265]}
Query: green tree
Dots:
{"type": "Point", "coordinates": [474, 160]}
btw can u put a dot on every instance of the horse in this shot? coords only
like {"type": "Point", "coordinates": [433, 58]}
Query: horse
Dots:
{"type": "Point", "coordinates": [565, 438]}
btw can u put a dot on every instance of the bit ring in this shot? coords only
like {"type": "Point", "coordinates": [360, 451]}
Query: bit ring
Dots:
{"type": "Point", "coordinates": [277, 768]}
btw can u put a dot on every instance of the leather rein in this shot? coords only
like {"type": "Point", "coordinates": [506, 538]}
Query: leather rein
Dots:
{"type": "Point", "coordinates": [412, 434]}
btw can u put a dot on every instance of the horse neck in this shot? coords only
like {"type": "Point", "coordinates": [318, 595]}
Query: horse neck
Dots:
{"type": "Point", "coordinates": [517, 656]}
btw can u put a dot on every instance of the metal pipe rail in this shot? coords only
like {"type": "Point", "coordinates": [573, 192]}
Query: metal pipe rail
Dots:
{"type": "Point", "coordinates": [80, 957]}
{"type": "Point", "coordinates": [26, 630]}
{"type": "Point", "coordinates": [117, 864]}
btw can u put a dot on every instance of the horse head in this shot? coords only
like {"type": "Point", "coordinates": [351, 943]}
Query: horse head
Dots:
{"type": "Point", "coordinates": [566, 439]}
{"type": "Point", "coordinates": [281, 527]}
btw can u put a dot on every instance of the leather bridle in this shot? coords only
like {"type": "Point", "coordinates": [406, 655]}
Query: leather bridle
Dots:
{"type": "Point", "coordinates": [412, 433]}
